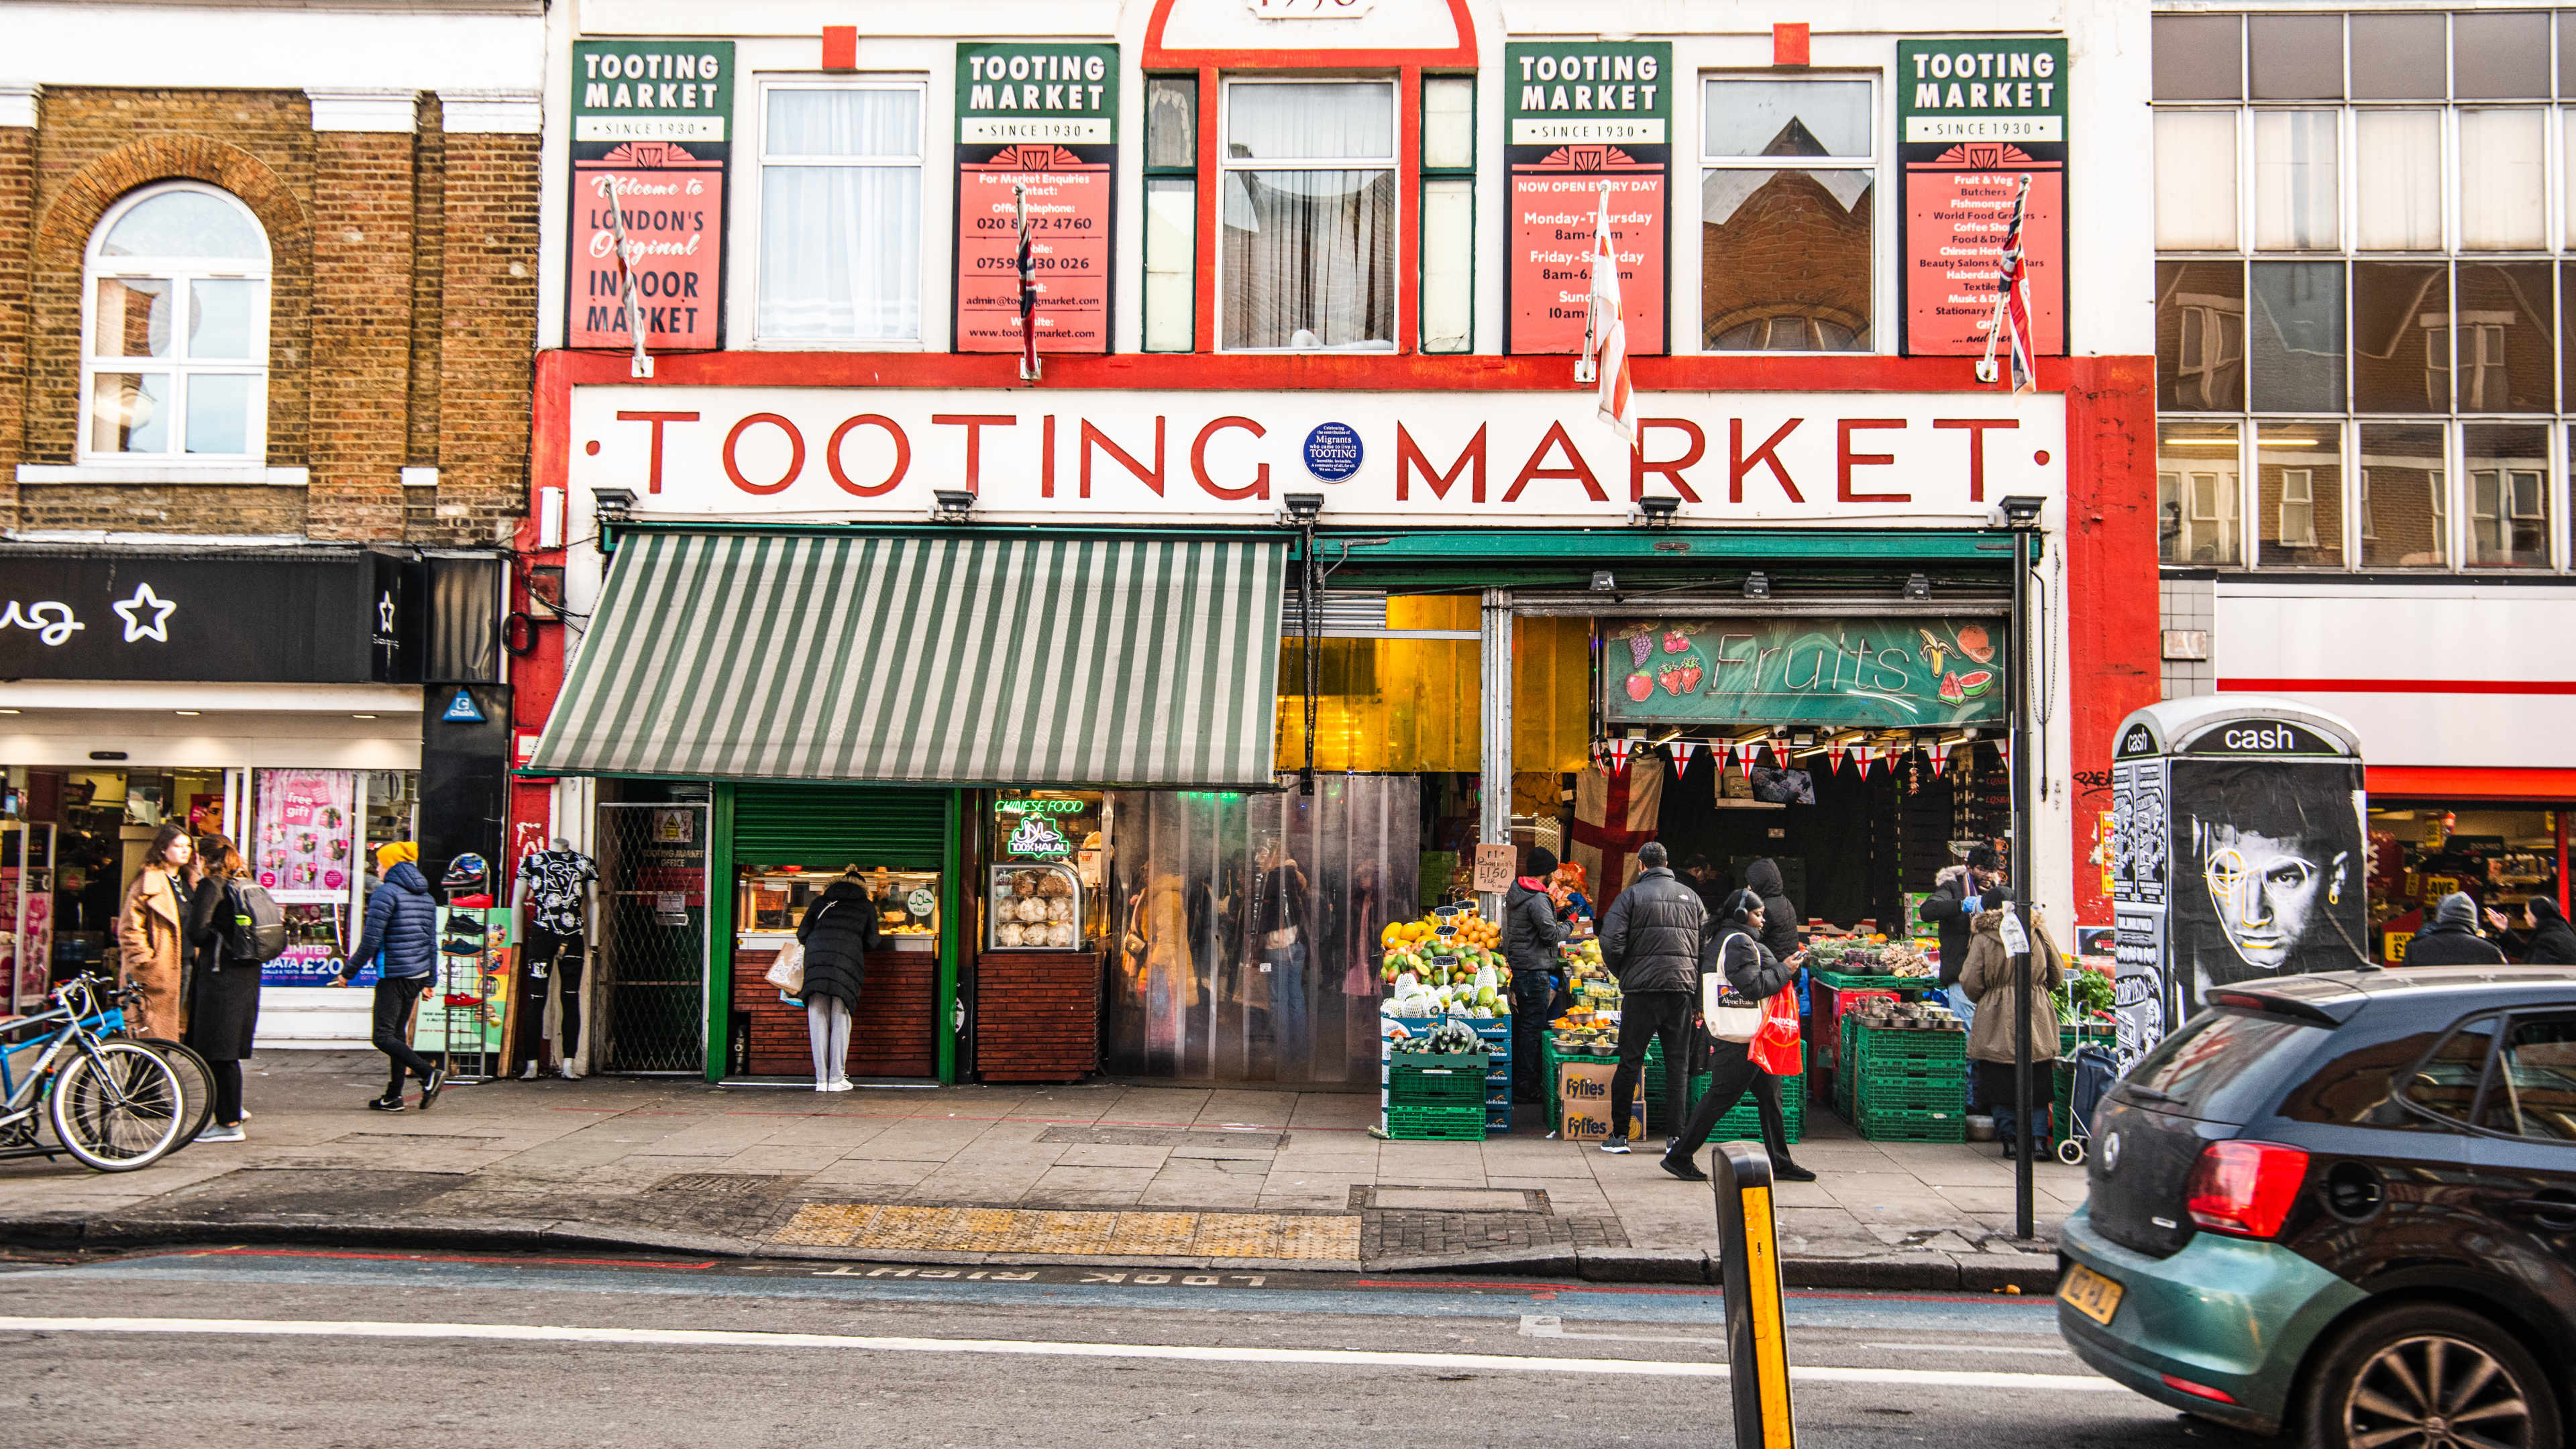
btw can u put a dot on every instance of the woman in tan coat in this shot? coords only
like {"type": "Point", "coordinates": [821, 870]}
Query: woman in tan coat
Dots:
{"type": "Point", "coordinates": [1988, 980]}
{"type": "Point", "coordinates": [151, 934]}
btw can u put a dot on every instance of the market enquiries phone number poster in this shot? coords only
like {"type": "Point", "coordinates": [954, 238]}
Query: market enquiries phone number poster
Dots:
{"type": "Point", "coordinates": [1973, 118]}
{"type": "Point", "coordinates": [1585, 115]}
{"type": "Point", "coordinates": [1041, 117]}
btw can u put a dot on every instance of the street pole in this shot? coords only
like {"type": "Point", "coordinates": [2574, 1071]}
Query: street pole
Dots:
{"type": "Point", "coordinates": [2021, 835]}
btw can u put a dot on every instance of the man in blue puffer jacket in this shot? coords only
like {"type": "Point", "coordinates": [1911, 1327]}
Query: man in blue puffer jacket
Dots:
{"type": "Point", "coordinates": [401, 935]}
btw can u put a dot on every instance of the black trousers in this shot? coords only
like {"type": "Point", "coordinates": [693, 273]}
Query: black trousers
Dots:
{"type": "Point", "coordinates": [1732, 1074]}
{"type": "Point", "coordinates": [227, 1078]}
{"type": "Point", "coordinates": [1533, 992]}
{"type": "Point", "coordinates": [394, 998]}
{"type": "Point", "coordinates": [550, 954]}
{"type": "Point", "coordinates": [1645, 1017]}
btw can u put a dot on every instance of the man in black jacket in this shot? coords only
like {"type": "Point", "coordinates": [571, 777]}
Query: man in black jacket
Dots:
{"type": "Point", "coordinates": [1958, 894]}
{"type": "Point", "coordinates": [2451, 938]}
{"type": "Point", "coordinates": [1651, 940]}
{"type": "Point", "coordinates": [1531, 934]}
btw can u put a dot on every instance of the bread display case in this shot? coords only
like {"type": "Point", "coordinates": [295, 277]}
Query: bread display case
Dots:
{"type": "Point", "coordinates": [771, 902]}
{"type": "Point", "coordinates": [1034, 906]}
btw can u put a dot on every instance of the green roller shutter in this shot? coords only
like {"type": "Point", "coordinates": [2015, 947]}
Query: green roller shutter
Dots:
{"type": "Point", "coordinates": [825, 827]}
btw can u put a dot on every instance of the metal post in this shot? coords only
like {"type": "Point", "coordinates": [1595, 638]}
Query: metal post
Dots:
{"type": "Point", "coordinates": [2021, 826]}
{"type": "Point", "coordinates": [1494, 802]}
{"type": "Point", "coordinates": [1757, 1343]}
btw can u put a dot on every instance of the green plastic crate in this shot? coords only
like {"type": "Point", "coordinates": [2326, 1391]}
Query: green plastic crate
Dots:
{"type": "Point", "coordinates": [1436, 1124]}
{"type": "Point", "coordinates": [1434, 1086]}
{"type": "Point", "coordinates": [1913, 1129]}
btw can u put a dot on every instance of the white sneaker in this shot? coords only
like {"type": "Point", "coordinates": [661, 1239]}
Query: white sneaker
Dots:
{"type": "Point", "coordinates": [530, 1074]}
{"type": "Point", "coordinates": [840, 1086]}
{"type": "Point", "coordinates": [1616, 1146]}
{"type": "Point", "coordinates": [217, 1132]}
{"type": "Point", "coordinates": [822, 1086]}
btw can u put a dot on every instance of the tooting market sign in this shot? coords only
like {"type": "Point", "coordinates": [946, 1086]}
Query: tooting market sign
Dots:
{"type": "Point", "coordinates": [1464, 457]}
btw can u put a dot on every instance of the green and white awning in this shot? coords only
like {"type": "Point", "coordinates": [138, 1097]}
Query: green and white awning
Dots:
{"type": "Point", "coordinates": [1054, 661]}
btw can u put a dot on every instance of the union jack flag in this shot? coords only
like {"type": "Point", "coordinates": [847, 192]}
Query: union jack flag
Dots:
{"type": "Point", "coordinates": [1028, 264]}
{"type": "Point", "coordinates": [2011, 326]}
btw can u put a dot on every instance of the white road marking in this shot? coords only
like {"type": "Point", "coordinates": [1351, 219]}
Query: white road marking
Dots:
{"type": "Point", "coordinates": [729, 1338]}
{"type": "Point", "coordinates": [1966, 1348]}
{"type": "Point", "coordinates": [1544, 1325]}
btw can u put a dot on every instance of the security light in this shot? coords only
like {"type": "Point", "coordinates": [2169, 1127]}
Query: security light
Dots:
{"type": "Point", "coordinates": [1303, 507]}
{"type": "Point", "coordinates": [1757, 585]}
{"type": "Point", "coordinates": [951, 505]}
{"type": "Point", "coordinates": [1918, 587]}
{"type": "Point", "coordinates": [2022, 510]}
{"type": "Point", "coordinates": [1602, 583]}
{"type": "Point", "coordinates": [612, 504]}
{"type": "Point", "coordinates": [1657, 512]}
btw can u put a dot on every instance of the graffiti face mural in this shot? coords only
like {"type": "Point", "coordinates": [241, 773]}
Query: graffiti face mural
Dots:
{"type": "Point", "coordinates": [2267, 892]}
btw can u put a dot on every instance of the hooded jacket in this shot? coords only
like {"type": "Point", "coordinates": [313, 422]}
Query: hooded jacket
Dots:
{"type": "Point", "coordinates": [1779, 916]}
{"type": "Point", "coordinates": [402, 927]}
{"type": "Point", "coordinates": [1987, 976]}
{"type": "Point", "coordinates": [1531, 934]}
{"type": "Point", "coordinates": [1755, 973]}
{"type": "Point", "coordinates": [839, 931]}
{"type": "Point", "coordinates": [2553, 941]}
{"type": "Point", "coordinates": [2451, 938]}
{"type": "Point", "coordinates": [1654, 933]}
{"type": "Point", "coordinates": [1947, 911]}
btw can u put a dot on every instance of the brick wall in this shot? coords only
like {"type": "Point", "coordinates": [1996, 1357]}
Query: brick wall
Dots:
{"type": "Point", "coordinates": [1037, 1016]}
{"type": "Point", "coordinates": [389, 346]}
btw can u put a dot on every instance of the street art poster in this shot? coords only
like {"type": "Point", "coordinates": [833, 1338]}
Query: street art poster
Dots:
{"type": "Point", "coordinates": [1973, 118]}
{"type": "Point", "coordinates": [1587, 119]}
{"type": "Point", "coordinates": [1037, 121]}
{"type": "Point", "coordinates": [2260, 870]}
{"type": "Point", "coordinates": [1889, 673]}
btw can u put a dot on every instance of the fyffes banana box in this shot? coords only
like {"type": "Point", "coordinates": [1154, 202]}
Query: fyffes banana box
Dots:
{"type": "Point", "coordinates": [1583, 1103]}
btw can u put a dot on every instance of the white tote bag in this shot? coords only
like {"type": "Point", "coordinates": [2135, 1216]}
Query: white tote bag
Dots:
{"type": "Point", "coordinates": [1730, 1017]}
{"type": "Point", "coordinates": [787, 973]}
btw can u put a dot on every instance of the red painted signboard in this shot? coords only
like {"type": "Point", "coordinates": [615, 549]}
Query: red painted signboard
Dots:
{"type": "Point", "coordinates": [1069, 224]}
{"type": "Point", "coordinates": [1955, 220]}
{"type": "Point", "coordinates": [1555, 206]}
{"type": "Point", "coordinates": [673, 204]}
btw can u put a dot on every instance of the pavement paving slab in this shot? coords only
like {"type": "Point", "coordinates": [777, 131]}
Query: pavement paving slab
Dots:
{"type": "Point", "coordinates": [1102, 1172]}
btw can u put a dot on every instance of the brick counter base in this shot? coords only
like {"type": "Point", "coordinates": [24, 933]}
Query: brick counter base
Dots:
{"type": "Point", "coordinates": [1037, 1016]}
{"type": "Point", "coordinates": [894, 1033]}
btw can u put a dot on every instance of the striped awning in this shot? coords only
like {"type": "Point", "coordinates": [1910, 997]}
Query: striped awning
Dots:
{"type": "Point", "coordinates": [1039, 661]}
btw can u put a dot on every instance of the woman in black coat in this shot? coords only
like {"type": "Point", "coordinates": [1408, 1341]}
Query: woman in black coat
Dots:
{"type": "Point", "coordinates": [2553, 943]}
{"type": "Point", "coordinates": [838, 932]}
{"type": "Point", "coordinates": [223, 988]}
{"type": "Point", "coordinates": [1756, 975]}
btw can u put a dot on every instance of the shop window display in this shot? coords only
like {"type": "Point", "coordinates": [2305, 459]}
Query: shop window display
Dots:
{"type": "Point", "coordinates": [2501, 855]}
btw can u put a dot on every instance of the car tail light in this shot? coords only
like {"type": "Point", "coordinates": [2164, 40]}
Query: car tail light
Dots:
{"type": "Point", "coordinates": [2245, 1188]}
{"type": "Point", "coordinates": [2199, 1391]}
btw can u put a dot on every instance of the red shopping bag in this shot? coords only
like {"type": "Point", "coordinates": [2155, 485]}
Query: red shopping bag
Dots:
{"type": "Point", "coordinates": [1775, 1047]}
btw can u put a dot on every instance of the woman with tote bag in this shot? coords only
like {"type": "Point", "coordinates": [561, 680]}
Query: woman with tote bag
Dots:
{"type": "Point", "coordinates": [1743, 990]}
{"type": "Point", "coordinates": [837, 934]}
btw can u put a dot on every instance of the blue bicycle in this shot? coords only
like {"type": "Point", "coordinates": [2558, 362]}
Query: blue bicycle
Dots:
{"type": "Point", "coordinates": [114, 1105]}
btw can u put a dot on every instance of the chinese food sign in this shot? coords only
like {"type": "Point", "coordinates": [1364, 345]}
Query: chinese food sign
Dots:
{"type": "Point", "coordinates": [649, 141]}
{"type": "Point", "coordinates": [1859, 673]}
{"type": "Point", "coordinates": [1585, 116]}
{"type": "Point", "coordinates": [1041, 117]}
{"type": "Point", "coordinates": [1974, 116]}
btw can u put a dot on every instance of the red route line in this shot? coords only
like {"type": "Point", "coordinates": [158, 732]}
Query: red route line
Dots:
{"type": "Point", "coordinates": [952, 1117]}
{"type": "Point", "coordinates": [1555, 1289]}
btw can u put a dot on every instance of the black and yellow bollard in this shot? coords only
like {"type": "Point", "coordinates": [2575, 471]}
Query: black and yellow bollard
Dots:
{"type": "Point", "coordinates": [1757, 1340]}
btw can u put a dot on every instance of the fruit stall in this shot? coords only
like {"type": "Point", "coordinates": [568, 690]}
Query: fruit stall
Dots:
{"type": "Point", "coordinates": [1445, 1029]}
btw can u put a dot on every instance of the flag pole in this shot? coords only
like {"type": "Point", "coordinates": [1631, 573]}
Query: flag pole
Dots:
{"type": "Point", "coordinates": [1586, 369]}
{"type": "Point", "coordinates": [642, 363]}
{"type": "Point", "coordinates": [2008, 275]}
{"type": "Point", "coordinates": [1028, 267]}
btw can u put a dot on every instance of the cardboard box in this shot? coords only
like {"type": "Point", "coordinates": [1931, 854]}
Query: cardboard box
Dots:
{"type": "Point", "coordinates": [1583, 1103]}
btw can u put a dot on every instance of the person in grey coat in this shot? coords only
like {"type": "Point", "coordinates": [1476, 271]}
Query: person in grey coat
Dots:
{"type": "Point", "coordinates": [1651, 940]}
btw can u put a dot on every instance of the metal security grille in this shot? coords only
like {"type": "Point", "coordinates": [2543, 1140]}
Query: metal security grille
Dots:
{"type": "Point", "coordinates": [652, 1010]}
{"type": "Point", "coordinates": [827, 826]}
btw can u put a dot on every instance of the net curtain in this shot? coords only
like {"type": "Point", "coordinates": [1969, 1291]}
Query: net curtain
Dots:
{"type": "Point", "coordinates": [840, 245]}
{"type": "Point", "coordinates": [1310, 254]}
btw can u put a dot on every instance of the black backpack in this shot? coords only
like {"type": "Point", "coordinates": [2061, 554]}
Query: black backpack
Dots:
{"type": "Point", "coordinates": [254, 928]}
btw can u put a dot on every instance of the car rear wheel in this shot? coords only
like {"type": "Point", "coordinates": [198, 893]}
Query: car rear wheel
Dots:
{"type": "Point", "coordinates": [2429, 1376]}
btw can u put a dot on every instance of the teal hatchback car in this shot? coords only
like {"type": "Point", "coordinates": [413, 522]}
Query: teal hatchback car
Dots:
{"type": "Point", "coordinates": [2343, 1206]}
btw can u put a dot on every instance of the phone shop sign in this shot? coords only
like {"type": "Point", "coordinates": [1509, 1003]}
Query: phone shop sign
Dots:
{"type": "Point", "coordinates": [1468, 458]}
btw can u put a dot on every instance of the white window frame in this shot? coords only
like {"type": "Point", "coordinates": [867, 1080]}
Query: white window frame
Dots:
{"type": "Point", "coordinates": [181, 273]}
{"type": "Point", "coordinates": [2302, 481]}
{"type": "Point", "coordinates": [755, 214]}
{"type": "Point", "coordinates": [1393, 164]}
{"type": "Point", "coordinates": [1881, 339]}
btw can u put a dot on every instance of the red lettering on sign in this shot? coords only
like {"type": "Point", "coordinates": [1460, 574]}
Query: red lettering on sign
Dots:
{"type": "Point", "coordinates": [1091, 435]}
{"type": "Point", "coordinates": [1259, 487]}
{"type": "Point", "coordinates": [974, 424]}
{"type": "Point", "coordinates": [1976, 448]}
{"type": "Point", "coordinates": [795, 456]}
{"type": "Point", "coordinates": [1638, 467]}
{"type": "Point", "coordinates": [1580, 470]}
{"type": "Point", "coordinates": [1409, 460]}
{"type": "Point", "coordinates": [1739, 462]}
{"type": "Point", "coordinates": [1845, 460]}
{"type": "Point", "coordinates": [902, 455]}
{"type": "Point", "coordinates": [653, 477]}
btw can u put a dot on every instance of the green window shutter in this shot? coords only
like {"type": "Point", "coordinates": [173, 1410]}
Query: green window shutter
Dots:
{"type": "Point", "coordinates": [825, 827]}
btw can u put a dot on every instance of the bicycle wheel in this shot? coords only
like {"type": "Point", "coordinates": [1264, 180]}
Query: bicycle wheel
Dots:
{"type": "Point", "coordinates": [196, 1085]}
{"type": "Point", "coordinates": [119, 1110]}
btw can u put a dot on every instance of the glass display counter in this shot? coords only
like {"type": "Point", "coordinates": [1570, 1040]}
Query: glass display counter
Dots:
{"type": "Point", "coordinates": [770, 902]}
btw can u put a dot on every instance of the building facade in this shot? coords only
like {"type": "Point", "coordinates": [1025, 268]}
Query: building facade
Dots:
{"type": "Point", "coordinates": [268, 289]}
{"type": "Point", "coordinates": [2362, 429]}
{"type": "Point", "coordinates": [1147, 685]}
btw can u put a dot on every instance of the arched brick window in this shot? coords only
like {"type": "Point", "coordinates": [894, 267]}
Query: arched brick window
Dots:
{"type": "Point", "coordinates": [174, 328]}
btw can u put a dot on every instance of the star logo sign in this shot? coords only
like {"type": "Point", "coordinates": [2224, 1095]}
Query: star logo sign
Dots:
{"type": "Point", "coordinates": [134, 610]}
{"type": "Point", "coordinates": [385, 613]}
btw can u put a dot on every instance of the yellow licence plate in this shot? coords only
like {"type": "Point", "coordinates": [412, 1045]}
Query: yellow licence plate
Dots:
{"type": "Point", "coordinates": [2090, 1294]}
